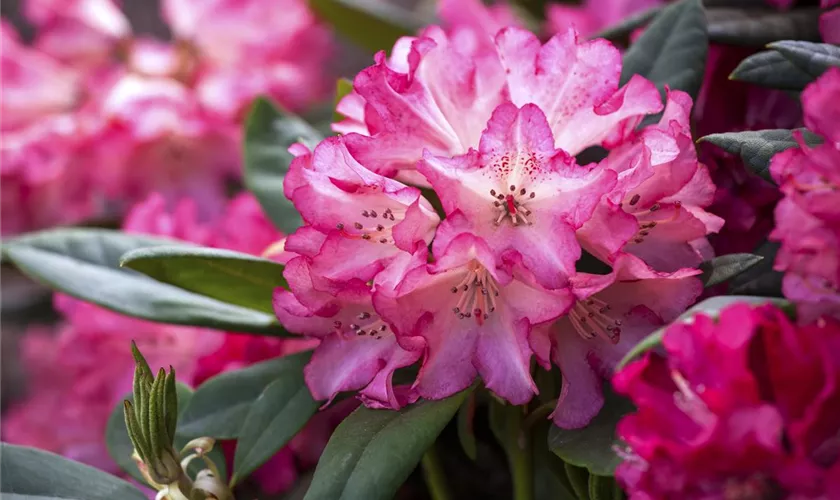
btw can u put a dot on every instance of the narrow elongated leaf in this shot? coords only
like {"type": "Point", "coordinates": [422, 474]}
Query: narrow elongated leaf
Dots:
{"type": "Point", "coordinates": [758, 27]}
{"type": "Point", "coordinates": [280, 411]}
{"type": "Point", "coordinates": [550, 478]}
{"type": "Point", "coordinates": [31, 474]}
{"type": "Point", "coordinates": [84, 263]}
{"type": "Point", "coordinates": [466, 433]}
{"type": "Point", "coordinates": [604, 488]}
{"type": "Point", "coordinates": [757, 148]}
{"type": "Point", "coordinates": [771, 69]}
{"type": "Point", "coordinates": [220, 405]}
{"type": "Point", "coordinates": [812, 58]}
{"type": "Point", "coordinates": [726, 267]}
{"type": "Point", "coordinates": [120, 448]}
{"type": "Point", "coordinates": [373, 451]}
{"type": "Point", "coordinates": [268, 135]}
{"type": "Point", "coordinates": [232, 277]}
{"type": "Point", "coordinates": [592, 447]}
{"type": "Point", "coordinates": [371, 24]}
{"type": "Point", "coordinates": [579, 479]}
{"type": "Point", "coordinates": [672, 51]}
{"type": "Point", "coordinates": [709, 307]}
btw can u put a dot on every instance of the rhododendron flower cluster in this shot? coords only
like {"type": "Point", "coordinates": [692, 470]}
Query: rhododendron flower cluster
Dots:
{"type": "Point", "coordinates": [807, 217]}
{"type": "Point", "coordinates": [96, 118]}
{"type": "Point", "coordinates": [81, 371]}
{"type": "Point", "coordinates": [491, 124]}
{"type": "Point", "coordinates": [745, 407]}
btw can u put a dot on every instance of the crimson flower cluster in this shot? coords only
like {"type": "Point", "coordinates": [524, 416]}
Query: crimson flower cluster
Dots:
{"type": "Point", "coordinates": [489, 121]}
{"type": "Point", "coordinates": [745, 407]}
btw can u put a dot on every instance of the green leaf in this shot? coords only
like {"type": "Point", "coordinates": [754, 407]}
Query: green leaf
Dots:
{"type": "Point", "coordinates": [710, 307]}
{"type": "Point", "coordinates": [812, 58]}
{"type": "Point", "coordinates": [628, 25]}
{"type": "Point", "coordinates": [771, 69]}
{"type": "Point", "coordinates": [221, 405]}
{"type": "Point", "coordinates": [120, 448]}
{"type": "Point", "coordinates": [232, 277]}
{"type": "Point", "coordinates": [550, 479]}
{"type": "Point", "coordinates": [672, 51]}
{"type": "Point", "coordinates": [758, 27]}
{"type": "Point", "coordinates": [726, 267]}
{"type": "Point", "coordinates": [371, 24]}
{"type": "Point", "coordinates": [579, 479]}
{"type": "Point", "coordinates": [342, 87]}
{"type": "Point", "coordinates": [280, 411]}
{"type": "Point", "coordinates": [604, 488]}
{"type": "Point", "coordinates": [757, 148]}
{"type": "Point", "coordinates": [466, 433]}
{"type": "Point", "coordinates": [761, 280]}
{"type": "Point", "coordinates": [84, 263]}
{"type": "Point", "coordinates": [268, 135]}
{"type": "Point", "coordinates": [31, 474]}
{"type": "Point", "coordinates": [592, 446]}
{"type": "Point", "coordinates": [372, 452]}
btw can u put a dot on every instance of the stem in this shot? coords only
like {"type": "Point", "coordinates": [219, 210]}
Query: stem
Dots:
{"type": "Point", "coordinates": [521, 466]}
{"type": "Point", "coordinates": [434, 475]}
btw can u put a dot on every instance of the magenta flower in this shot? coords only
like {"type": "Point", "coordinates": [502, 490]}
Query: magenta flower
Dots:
{"type": "Point", "coordinates": [807, 218]}
{"type": "Point", "coordinates": [743, 408]}
{"type": "Point", "coordinates": [357, 220]}
{"type": "Point", "coordinates": [470, 316]}
{"type": "Point", "coordinates": [520, 193]}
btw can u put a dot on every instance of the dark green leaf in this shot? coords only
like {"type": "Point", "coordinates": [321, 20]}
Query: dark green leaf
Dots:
{"type": "Point", "coordinates": [372, 24]}
{"type": "Point", "coordinates": [268, 135]}
{"type": "Point", "coordinates": [771, 69]}
{"type": "Point", "coordinates": [592, 447]}
{"type": "Point", "coordinates": [30, 474]}
{"type": "Point", "coordinates": [120, 449]}
{"type": "Point", "coordinates": [84, 263]}
{"type": "Point", "coordinates": [628, 25]}
{"type": "Point", "coordinates": [758, 27]}
{"type": "Point", "coordinates": [604, 488]}
{"type": "Point", "coordinates": [232, 277]}
{"type": "Point", "coordinates": [579, 479]}
{"type": "Point", "coordinates": [550, 479]}
{"type": "Point", "coordinates": [373, 451]}
{"type": "Point", "coordinates": [757, 148]}
{"type": "Point", "coordinates": [709, 307]}
{"type": "Point", "coordinates": [220, 405]}
{"type": "Point", "coordinates": [761, 280]}
{"type": "Point", "coordinates": [274, 418]}
{"type": "Point", "coordinates": [672, 50]}
{"type": "Point", "coordinates": [466, 433]}
{"type": "Point", "coordinates": [812, 58]}
{"type": "Point", "coordinates": [726, 267]}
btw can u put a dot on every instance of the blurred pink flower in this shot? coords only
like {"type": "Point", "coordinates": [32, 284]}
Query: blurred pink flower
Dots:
{"type": "Point", "coordinates": [742, 407]}
{"type": "Point", "coordinates": [807, 218]}
{"type": "Point", "coordinates": [592, 16]}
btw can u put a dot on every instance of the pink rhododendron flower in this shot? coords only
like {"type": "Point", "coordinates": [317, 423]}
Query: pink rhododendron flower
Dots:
{"type": "Point", "coordinates": [807, 220]}
{"type": "Point", "coordinates": [470, 316]}
{"type": "Point", "coordinates": [744, 407]}
{"type": "Point", "coordinates": [611, 315]}
{"type": "Point", "coordinates": [593, 16]}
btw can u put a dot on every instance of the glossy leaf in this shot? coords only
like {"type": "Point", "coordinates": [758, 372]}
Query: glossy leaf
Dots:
{"type": "Point", "coordinates": [31, 474]}
{"type": "Point", "coordinates": [221, 405]}
{"type": "Point", "coordinates": [372, 24]}
{"type": "Point", "coordinates": [84, 263]}
{"type": "Point", "coordinates": [592, 447]}
{"type": "Point", "coordinates": [812, 58]}
{"type": "Point", "coordinates": [372, 452]}
{"type": "Point", "coordinates": [120, 448]}
{"type": "Point", "coordinates": [672, 51]}
{"type": "Point", "coordinates": [758, 27]}
{"type": "Point", "coordinates": [771, 69]}
{"type": "Point", "coordinates": [760, 280]}
{"type": "Point", "coordinates": [342, 87]}
{"type": "Point", "coordinates": [268, 135]}
{"type": "Point", "coordinates": [757, 148]}
{"type": "Point", "coordinates": [726, 267]}
{"type": "Point", "coordinates": [232, 277]}
{"type": "Point", "coordinates": [710, 307]}
{"type": "Point", "coordinates": [278, 413]}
